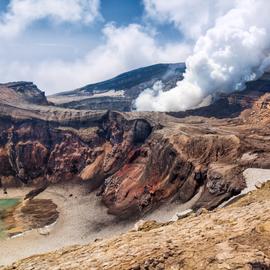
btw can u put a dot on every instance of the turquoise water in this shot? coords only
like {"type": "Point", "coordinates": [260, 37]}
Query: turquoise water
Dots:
{"type": "Point", "coordinates": [5, 204]}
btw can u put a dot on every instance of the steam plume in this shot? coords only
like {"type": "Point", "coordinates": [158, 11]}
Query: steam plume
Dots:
{"type": "Point", "coordinates": [233, 52]}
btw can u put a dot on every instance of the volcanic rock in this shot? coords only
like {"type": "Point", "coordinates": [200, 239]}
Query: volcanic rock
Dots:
{"type": "Point", "coordinates": [135, 160]}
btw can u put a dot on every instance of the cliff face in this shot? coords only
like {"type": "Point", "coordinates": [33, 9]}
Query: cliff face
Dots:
{"type": "Point", "coordinates": [135, 160]}
{"type": "Point", "coordinates": [37, 150]}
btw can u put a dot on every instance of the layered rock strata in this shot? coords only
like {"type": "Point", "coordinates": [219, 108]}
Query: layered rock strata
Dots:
{"type": "Point", "coordinates": [135, 161]}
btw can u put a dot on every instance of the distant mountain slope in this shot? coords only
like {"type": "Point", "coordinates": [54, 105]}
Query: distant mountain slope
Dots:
{"type": "Point", "coordinates": [22, 92]}
{"type": "Point", "coordinates": [231, 105]}
{"type": "Point", "coordinates": [119, 93]}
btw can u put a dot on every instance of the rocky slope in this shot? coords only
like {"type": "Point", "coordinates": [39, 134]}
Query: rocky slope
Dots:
{"type": "Point", "coordinates": [22, 92]}
{"type": "Point", "coordinates": [135, 160]}
{"type": "Point", "coordinates": [236, 237]}
{"type": "Point", "coordinates": [119, 93]}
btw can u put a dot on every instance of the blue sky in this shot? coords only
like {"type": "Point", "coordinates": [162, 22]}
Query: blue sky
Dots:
{"type": "Point", "coordinates": [122, 11]}
{"type": "Point", "coordinates": [64, 44]}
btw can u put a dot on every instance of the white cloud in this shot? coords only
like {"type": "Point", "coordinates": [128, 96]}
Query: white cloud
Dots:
{"type": "Point", "coordinates": [22, 13]}
{"type": "Point", "coordinates": [124, 48]}
{"type": "Point", "coordinates": [191, 17]}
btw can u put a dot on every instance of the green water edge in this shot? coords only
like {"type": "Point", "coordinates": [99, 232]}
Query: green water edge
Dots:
{"type": "Point", "coordinates": [5, 205]}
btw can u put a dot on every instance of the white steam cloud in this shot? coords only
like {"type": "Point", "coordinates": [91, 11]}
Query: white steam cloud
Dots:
{"type": "Point", "coordinates": [234, 51]}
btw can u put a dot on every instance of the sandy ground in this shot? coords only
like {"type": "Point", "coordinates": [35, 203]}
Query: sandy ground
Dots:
{"type": "Point", "coordinates": [65, 99]}
{"type": "Point", "coordinates": [82, 220]}
{"type": "Point", "coordinates": [168, 211]}
{"type": "Point", "coordinates": [255, 177]}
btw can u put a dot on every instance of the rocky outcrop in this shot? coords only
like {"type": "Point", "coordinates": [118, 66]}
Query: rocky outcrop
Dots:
{"type": "Point", "coordinates": [135, 160]}
{"type": "Point", "coordinates": [235, 237]}
{"type": "Point", "coordinates": [22, 92]}
{"type": "Point", "coordinates": [40, 151]}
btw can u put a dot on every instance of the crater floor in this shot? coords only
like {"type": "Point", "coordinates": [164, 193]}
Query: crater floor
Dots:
{"type": "Point", "coordinates": [235, 237]}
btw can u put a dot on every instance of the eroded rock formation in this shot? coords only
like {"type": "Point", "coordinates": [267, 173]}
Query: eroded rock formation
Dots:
{"type": "Point", "coordinates": [135, 160]}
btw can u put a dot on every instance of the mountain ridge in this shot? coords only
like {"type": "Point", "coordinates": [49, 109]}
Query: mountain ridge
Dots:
{"type": "Point", "coordinates": [120, 92]}
{"type": "Point", "coordinates": [116, 82]}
